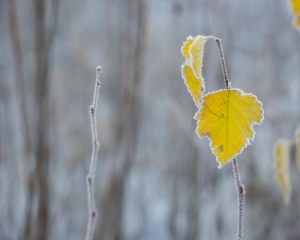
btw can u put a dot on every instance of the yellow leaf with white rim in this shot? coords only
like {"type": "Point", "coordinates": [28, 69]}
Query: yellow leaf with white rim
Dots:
{"type": "Point", "coordinates": [193, 50]}
{"type": "Point", "coordinates": [227, 117]}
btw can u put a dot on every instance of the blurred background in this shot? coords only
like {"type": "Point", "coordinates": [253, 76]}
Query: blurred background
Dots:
{"type": "Point", "coordinates": [155, 178]}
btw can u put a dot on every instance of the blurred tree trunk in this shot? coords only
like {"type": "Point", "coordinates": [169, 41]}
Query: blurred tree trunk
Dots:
{"type": "Point", "coordinates": [44, 42]}
{"type": "Point", "coordinates": [19, 74]}
{"type": "Point", "coordinates": [194, 204]}
{"type": "Point", "coordinates": [38, 179]}
{"type": "Point", "coordinates": [174, 207]}
{"type": "Point", "coordinates": [128, 125]}
{"type": "Point", "coordinates": [42, 104]}
{"type": "Point", "coordinates": [21, 92]}
{"type": "Point", "coordinates": [188, 175]}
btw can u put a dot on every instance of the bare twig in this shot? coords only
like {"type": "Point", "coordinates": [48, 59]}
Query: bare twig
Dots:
{"type": "Point", "coordinates": [240, 187]}
{"type": "Point", "coordinates": [241, 197]}
{"type": "Point", "coordinates": [211, 37]}
{"type": "Point", "coordinates": [91, 175]}
{"type": "Point", "coordinates": [218, 41]}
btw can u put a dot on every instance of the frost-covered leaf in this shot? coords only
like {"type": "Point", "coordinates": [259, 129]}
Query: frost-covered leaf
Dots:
{"type": "Point", "coordinates": [186, 47]}
{"type": "Point", "coordinates": [196, 51]}
{"type": "Point", "coordinates": [296, 10]}
{"type": "Point", "coordinates": [227, 117]}
{"type": "Point", "coordinates": [192, 68]}
{"type": "Point", "coordinates": [194, 85]}
{"type": "Point", "coordinates": [297, 137]}
{"type": "Point", "coordinates": [282, 157]}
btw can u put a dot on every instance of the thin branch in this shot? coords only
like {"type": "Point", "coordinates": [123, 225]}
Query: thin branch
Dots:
{"type": "Point", "coordinates": [93, 215]}
{"type": "Point", "coordinates": [211, 37]}
{"type": "Point", "coordinates": [226, 79]}
{"type": "Point", "coordinates": [241, 197]}
{"type": "Point", "coordinates": [240, 187]}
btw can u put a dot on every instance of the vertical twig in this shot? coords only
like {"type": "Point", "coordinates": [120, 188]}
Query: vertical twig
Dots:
{"type": "Point", "coordinates": [91, 175]}
{"type": "Point", "coordinates": [240, 187]}
{"type": "Point", "coordinates": [241, 197]}
{"type": "Point", "coordinates": [218, 41]}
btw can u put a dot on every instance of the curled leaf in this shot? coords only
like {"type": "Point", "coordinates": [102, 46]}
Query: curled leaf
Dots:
{"type": "Point", "coordinates": [196, 51]}
{"type": "Point", "coordinates": [282, 157]}
{"type": "Point", "coordinates": [192, 68]}
{"type": "Point", "coordinates": [227, 117]}
{"type": "Point", "coordinates": [194, 85]}
{"type": "Point", "coordinates": [186, 47]}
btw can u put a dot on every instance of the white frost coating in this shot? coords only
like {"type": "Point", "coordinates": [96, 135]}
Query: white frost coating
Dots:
{"type": "Point", "coordinates": [189, 62]}
{"type": "Point", "coordinates": [196, 40]}
{"type": "Point", "coordinates": [187, 39]}
{"type": "Point", "coordinates": [251, 126]}
{"type": "Point", "coordinates": [187, 86]}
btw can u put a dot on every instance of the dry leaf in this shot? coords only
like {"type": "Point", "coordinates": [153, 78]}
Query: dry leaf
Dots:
{"type": "Point", "coordinates": [282, 156]}
{"type": "Point", "coordinates": [192, 68]}
{"type": "Point", "coordinates": [227, 117]}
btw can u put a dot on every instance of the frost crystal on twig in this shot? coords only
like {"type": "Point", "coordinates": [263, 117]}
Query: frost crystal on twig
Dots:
{"type": "Point", "coordinates": [93, 214]}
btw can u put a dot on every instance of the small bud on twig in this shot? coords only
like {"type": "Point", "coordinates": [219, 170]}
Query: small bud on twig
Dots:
{"type": "Point", "coordinates": [91, 175]}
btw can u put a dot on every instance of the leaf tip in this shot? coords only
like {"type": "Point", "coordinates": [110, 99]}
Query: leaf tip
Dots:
{"type": "Point", "coordinates": [186, 46]}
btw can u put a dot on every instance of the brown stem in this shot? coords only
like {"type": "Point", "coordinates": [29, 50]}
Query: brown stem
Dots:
{"type": "Point", "coordinates": [93, 215]}
{"type": "Point", "coordinates": [218, 41]}
{"type": "Point", "coordinates": [240, 187]}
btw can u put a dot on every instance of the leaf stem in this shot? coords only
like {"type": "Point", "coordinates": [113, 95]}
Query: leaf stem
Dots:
{"type": "Point", "coordinates": [93, 215]}
{"type": "Point", "coordinates": [226, 79]}
{"type": "Point", "coordinates": [239, 186]}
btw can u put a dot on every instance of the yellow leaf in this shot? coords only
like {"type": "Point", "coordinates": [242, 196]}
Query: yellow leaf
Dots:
{"type": "Point", "coordinates": [191, 69]}
{"type": "Point", "coordinates": [196, 51]}
{"type": "Point", "coordinates": [227, 117]}
{"type": "Point", "coordinates": [282, 156]}
{"type": "Point", "coordinates": [297, 137]}
{"type": "Point", "coordinates": [296, 5]}
{"type": "Point", "coordinates": [296, 10]}
{"type": "Point", "coordinates": [195, 87]}
{"type": "Point", "coordinates": [186, 47]}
